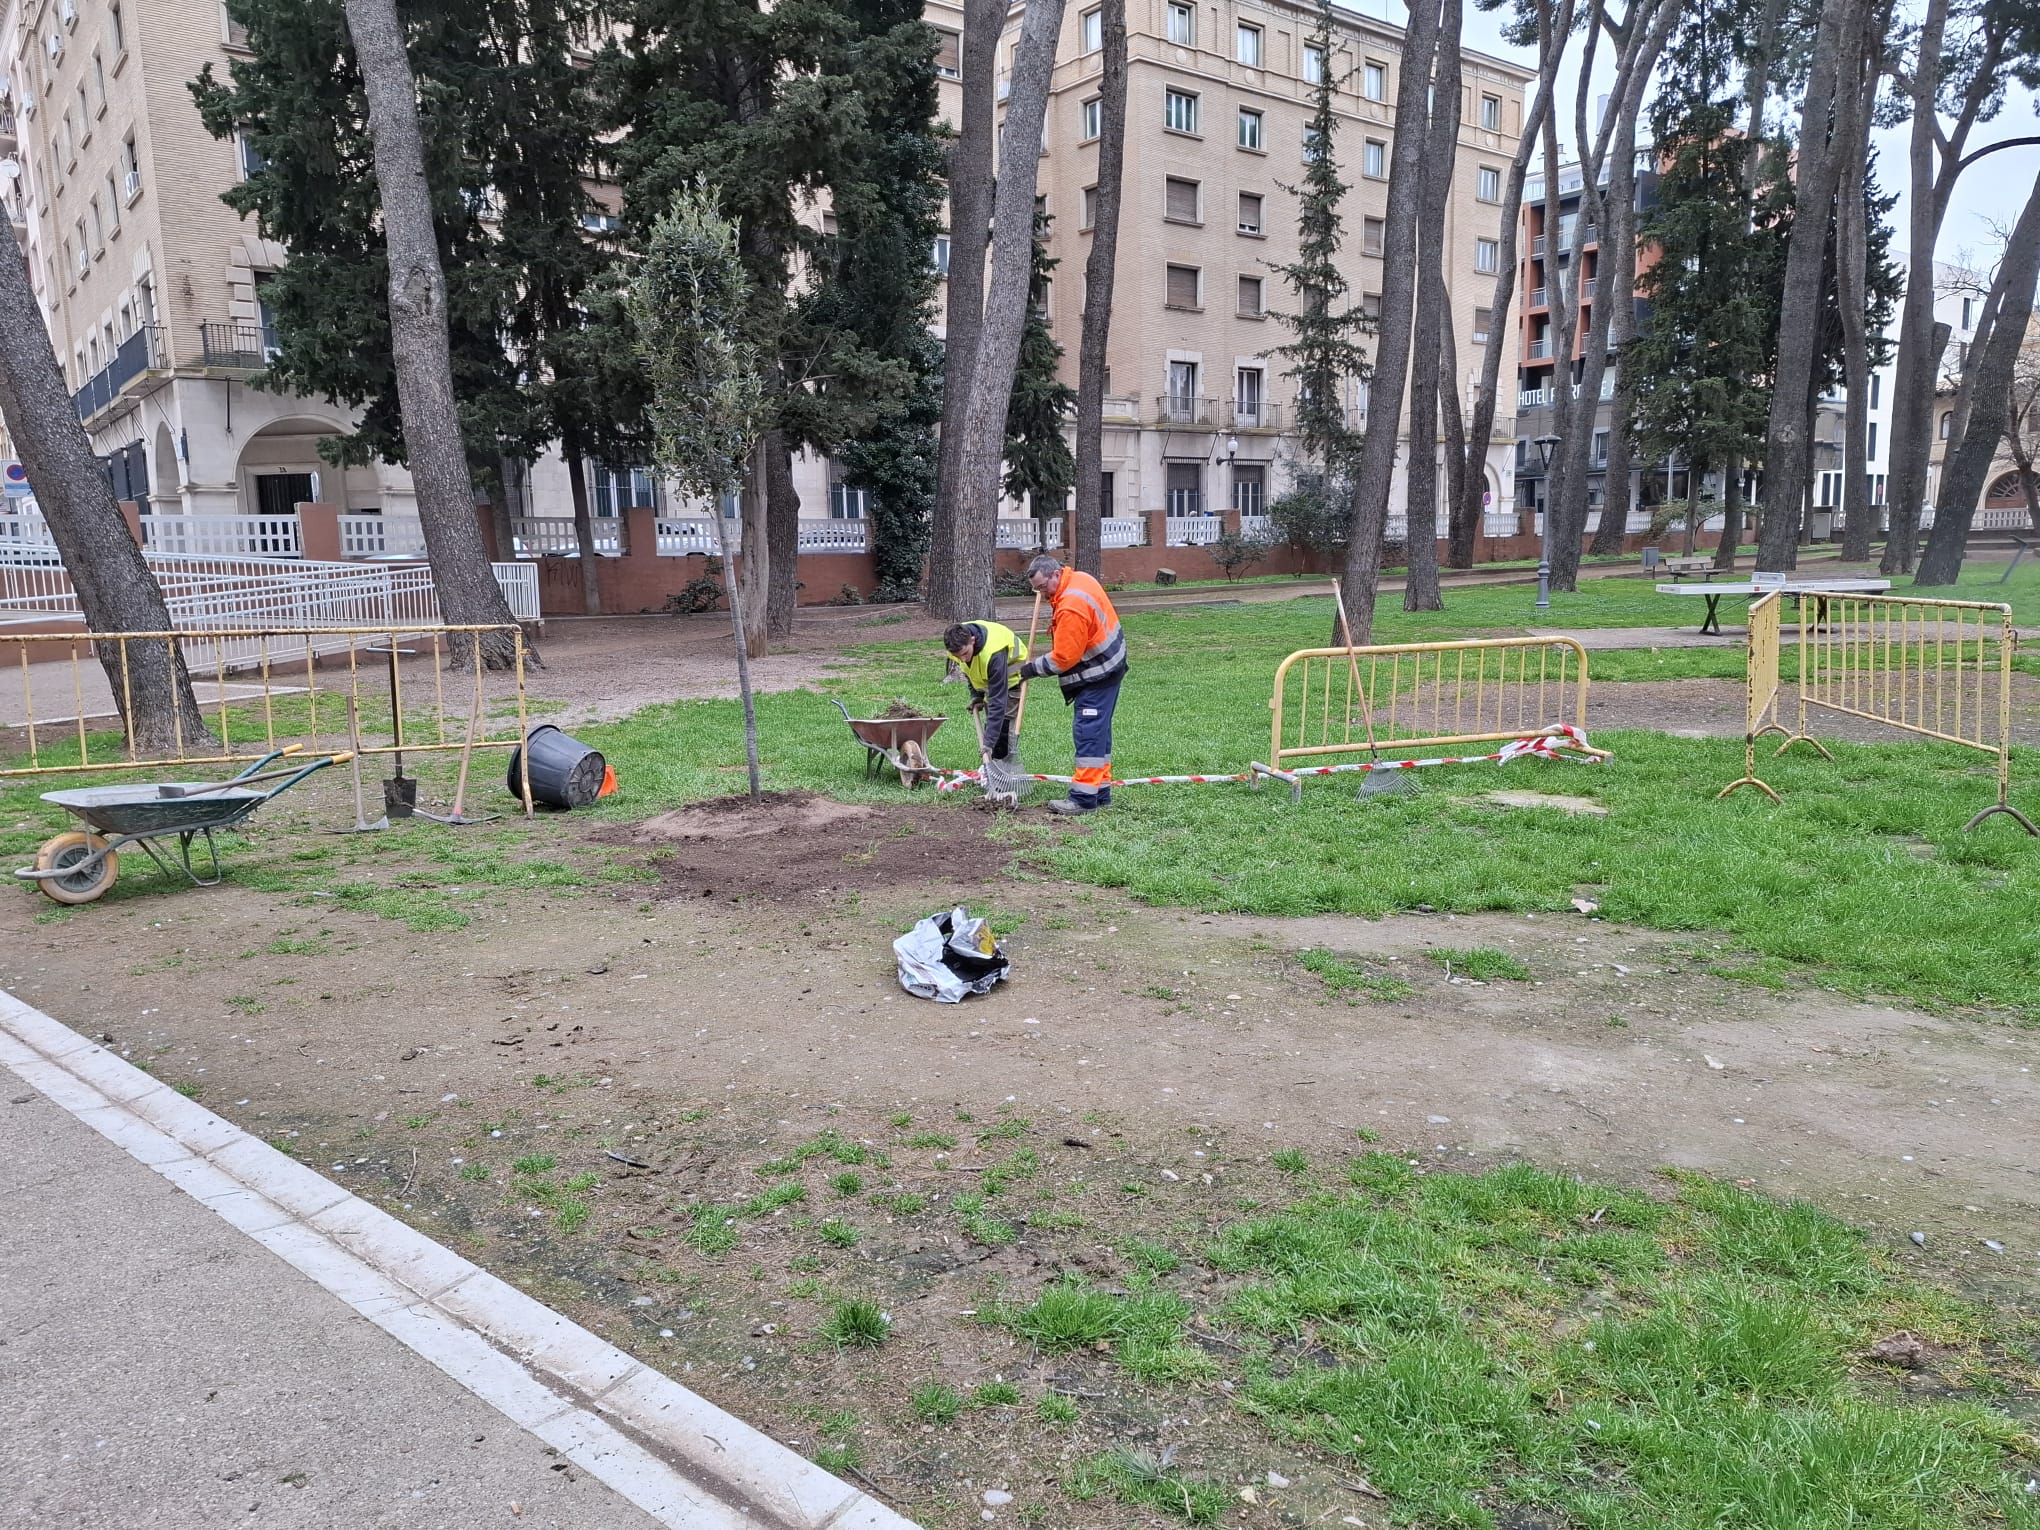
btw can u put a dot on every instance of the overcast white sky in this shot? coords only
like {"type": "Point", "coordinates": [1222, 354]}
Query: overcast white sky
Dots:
{"type": "Point", "coordinates": [1988, 196]}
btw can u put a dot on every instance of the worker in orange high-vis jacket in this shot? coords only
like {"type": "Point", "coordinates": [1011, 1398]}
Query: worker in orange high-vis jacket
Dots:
{"type": "Point", "coordinates": [1089, 660]}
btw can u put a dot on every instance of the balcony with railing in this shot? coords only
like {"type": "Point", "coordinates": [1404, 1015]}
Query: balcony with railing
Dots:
{"type": "Point", "coordinates": [240, 347]}
{"type": "Point", "coordinates": [1539, 350]}
{"type": "Point", "coordinates": [1182, 409]}
{"type": "Point", "coordinates": [140, 352]}
{"type": "Point", "coordinates": [1539, 297]}
{"type": "Point", "coordinates": [1257, 414]}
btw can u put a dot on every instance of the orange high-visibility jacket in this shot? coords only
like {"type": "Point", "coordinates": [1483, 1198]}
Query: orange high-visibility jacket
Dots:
{"type": "Point", "coordinates": [1089, 645]}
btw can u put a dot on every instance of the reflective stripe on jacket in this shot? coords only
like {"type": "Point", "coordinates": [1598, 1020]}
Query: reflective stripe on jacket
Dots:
{"type": "Point", "coordinates": [1089, 645]}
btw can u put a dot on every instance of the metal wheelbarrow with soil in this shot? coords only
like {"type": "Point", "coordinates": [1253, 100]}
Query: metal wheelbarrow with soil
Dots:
{"type": "Point", "coordinates": [79, 866]}
{"type": "Point", "coordinates": [901, 742]}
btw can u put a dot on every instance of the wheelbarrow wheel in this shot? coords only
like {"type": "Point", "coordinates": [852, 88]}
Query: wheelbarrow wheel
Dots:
{"type": "Point", "coordinates": [86, 884]}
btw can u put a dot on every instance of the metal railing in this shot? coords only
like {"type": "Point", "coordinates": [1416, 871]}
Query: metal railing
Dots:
{"type": "Point", "coordinates": [682, 536]}
{"type": "Point", "coordinates": [1259, 415]}
{"type": "Point", "coordinates": [1538, 350]}
{"type": "Point", "coordinates": [224, 536]}
{"type": "Point", "coordinates": [242, 347]}
{"type": "Point", "coordinates": [551, 536]}
{"type": "Point", "coordinates": [381, 536]}
{"type": "Point", "coordinates": [140, 352]}
{"type": "Point", "coordinates": [1183, 409]}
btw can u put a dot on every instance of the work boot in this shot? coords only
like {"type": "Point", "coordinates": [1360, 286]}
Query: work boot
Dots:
{"type": "Point", "coordinates": [1069, 807]}
{"type": "Point", "coordinates": [1104, 796]}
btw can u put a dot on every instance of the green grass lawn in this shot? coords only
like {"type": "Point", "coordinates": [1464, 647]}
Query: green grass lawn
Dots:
{"type": "Point", "coordinates": [1863, 879]}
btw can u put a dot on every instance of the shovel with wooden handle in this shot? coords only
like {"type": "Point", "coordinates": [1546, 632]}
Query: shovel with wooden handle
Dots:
{"type": "Point", "coordinates": [361, 823]}
{"type": "Point", "coordinates": [1005, 781]}
{"type": "Point", "coordinates": [467, 751]}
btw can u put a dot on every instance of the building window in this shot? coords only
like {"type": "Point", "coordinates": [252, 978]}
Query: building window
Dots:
{"type": "Point", "coordinates": [1374, 159]}
{"type": "Point", "coordinates": [1875, 379]}
{"type": "Point", "coordinates": [1248, 46]}
{"type": "Point", "coordinates": [1313, 64]}
{"type": "Point", "coordinates": [1181, 202]}
{"type": "Point", "coordinates": [1487, 255]}
{"type": "Point", "coordinates": [1313, 142]}
{"type": "Point", "coordinates": [1969, 313]}
{"type": "Point", "coordinates": [98, 82]}
{"type": "Point", "coordinates": [846, 503]}
{"type": "Point", "coordinates": [114, 29]}
{"type": "Point", "coordinates": [615, 489]}
{"type": "Point", "coordinates": [949, 55]}
{"type": "Point", "coordinates": [1250, 487]}
{"type": "Point", "coordinates": [1182, 291]}
{"type": "Point", "coordinates": [1374, 81]}
{"type": "Point", "coordinates": [1250, 298]}
{"type": "Point", "coordinates": [98, 226]}
{"type": "Point", "coordinates": [84, 116]}
{"type": "Point", "coordinates": [1599, 453]}
{"type": "Point", "coordinates": [1182, 388]}
{"type": "Point", "coordinates": [1250, 212]}
{"type": "Point", "coordinates": [1250, 129]}
{"type": "Point", "coordinates": [1092, 26]}
{"type": "Point", "coordinates": [112, 206]}
{"type": "Point", "coordinates": [1182, 23]}
{"type": "Point", "coordinates": [1947, 422]}
{"type": "Point", "coordinates": [1491, 114]}
{"type": "Point", "coordinates": [131, 168]}
{"type": "Point", "coordinates": [1870, 445]}
{"type": "Point", "coordinates": [1488, 184]}
{"type": "Point", "coordinates": [1483, 320]}
{"type": "Point", "coordinates": [1370, 236]}
{"type": "Point", "coordinates": [235, 33]}
{"type": "Point", "coordinates": [1185, 482]}
{"type": "Point", "coordinates": [1090, 207]}
{"type": "Point", "coordinates": [939, 257]}
{"type": "Point", "coordinates": [252, 162]}
{"type": "Point", "coordinates": [1370, 306]}
{"type": "Point", "coordinates": [1179, 110]}
{"type": "Point", "coordinates": [1093, 118]}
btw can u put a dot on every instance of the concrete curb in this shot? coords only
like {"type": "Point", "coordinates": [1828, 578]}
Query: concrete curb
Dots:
{"type": "Point", "coordinates": [675, 1455]}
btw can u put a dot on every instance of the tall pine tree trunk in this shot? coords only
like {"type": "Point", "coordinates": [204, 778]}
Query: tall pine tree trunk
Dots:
{"type": "Point", "coordinates": [1432, 319]}
{"type": "Point", "coordinates": [1731, 516]}
{"type": "Point", "coordinates": [1100, 267]}
{"type": "Point", "coordinates": [1988, 385]}
{"type": "Point", "coordinates": [970, 216]}
{"type": "Point", "coordinates": [116, 591]}
{"type": "Point", "coordinates": [584, 523]}
{"type": "Point", "coordinates": [1553, 34]}
{"type": "Point", "coordinates": [967, 552]}
{"type": "Point", "coordinates": [1852, 264]}
{"type": "Point", "coordinates": [1919, 356]}
{"type": "Point", "coordinates": [1788, 444]}
{"type": "Point", "coordinates": [782, 519]}
{"type": "Point", "coordinates": [466, 585]}
{"type": "Point", "coordinates": [1650, 26]}
{"type": "Point", "coordinates": [1374, 474]}
{"type": "Point", "coordinates": [1463, 509]}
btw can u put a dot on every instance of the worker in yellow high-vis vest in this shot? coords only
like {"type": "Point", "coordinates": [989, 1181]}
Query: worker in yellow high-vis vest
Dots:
{"type": "Point", "coordinates": [990, 655]}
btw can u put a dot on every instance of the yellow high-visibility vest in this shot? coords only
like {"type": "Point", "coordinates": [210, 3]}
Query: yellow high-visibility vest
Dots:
{"type": "Point", "coordinates": [998, 638]}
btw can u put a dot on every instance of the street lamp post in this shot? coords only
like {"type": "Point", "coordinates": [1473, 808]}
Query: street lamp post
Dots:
{"type": "Point", "coordinates": [1545, 446]}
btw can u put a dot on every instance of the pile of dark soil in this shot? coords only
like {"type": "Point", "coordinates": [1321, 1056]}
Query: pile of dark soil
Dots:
{"type": "Point", "coordinates": [797, 845]}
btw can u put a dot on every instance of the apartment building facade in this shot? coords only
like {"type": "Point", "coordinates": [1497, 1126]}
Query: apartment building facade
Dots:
{"type": "Point", "coordinates": [1199, 415]}
{"type": "Point", "coordinates": [150, 284]}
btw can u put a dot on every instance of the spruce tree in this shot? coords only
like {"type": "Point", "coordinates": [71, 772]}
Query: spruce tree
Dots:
{"type": "Point", "coordinates": [1039, 466]}
{"type": "Point", "coordinates": [1324, 352]}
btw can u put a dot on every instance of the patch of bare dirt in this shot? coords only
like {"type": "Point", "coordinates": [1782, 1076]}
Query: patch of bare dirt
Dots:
{"type": "Point", "coordinates": [1716, 708]}
{"type": "Point", "coordinates": [797, 846]}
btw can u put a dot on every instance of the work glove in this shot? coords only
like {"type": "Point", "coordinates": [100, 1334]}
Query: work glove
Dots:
{"type": "Point", "coordinates": [1036, 669]}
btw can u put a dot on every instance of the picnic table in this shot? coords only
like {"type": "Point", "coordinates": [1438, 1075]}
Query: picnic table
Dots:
{"type": "Point", "coordinates": [1819, 589]}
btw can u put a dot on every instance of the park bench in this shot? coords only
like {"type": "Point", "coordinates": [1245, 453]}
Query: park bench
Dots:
{"type": "Point", "coordinates": [1679, 568]}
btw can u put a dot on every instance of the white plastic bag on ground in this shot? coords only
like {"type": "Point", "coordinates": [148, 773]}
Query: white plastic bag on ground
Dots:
{"type": "Point", "coordinates": [949, 956]}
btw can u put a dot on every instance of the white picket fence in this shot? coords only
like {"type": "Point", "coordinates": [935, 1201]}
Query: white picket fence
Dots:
{"type": "Point", "coordinates": [224, 536]}
{"type": "Point", "coordinates": [1195, 530]}
{"type": "Point", "coordinates": [1017, 534]}
{"type": "Point", "coordinates": [1122, 531]}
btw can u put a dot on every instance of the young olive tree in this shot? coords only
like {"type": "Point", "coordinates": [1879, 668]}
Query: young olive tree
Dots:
{"type": "Point", "coordinates": [689, 303]}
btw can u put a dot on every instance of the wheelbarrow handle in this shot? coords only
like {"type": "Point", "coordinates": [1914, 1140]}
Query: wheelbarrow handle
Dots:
{"type": "Point", "coordinates": [274, 754]}
{"type": "Point", "coordinates": [841, 708]}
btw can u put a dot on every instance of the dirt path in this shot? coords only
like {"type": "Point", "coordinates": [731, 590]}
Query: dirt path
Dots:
{"type": "Point", "coordinates": [563, 1086]}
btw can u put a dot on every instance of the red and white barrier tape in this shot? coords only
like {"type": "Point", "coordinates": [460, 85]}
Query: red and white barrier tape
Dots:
{"type": "Point", "coordinates": [1561, 741]}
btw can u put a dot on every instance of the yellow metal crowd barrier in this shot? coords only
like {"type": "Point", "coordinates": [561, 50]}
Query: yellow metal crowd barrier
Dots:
{"type": "Point", "coordinates": [1762, 706]}
{"type": "Point", "coordinates": [1399, 697]}
{"type": "Point", "coordinates": [63, 711]}
{"type": "Point", "coordinates": [1941, 669]}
